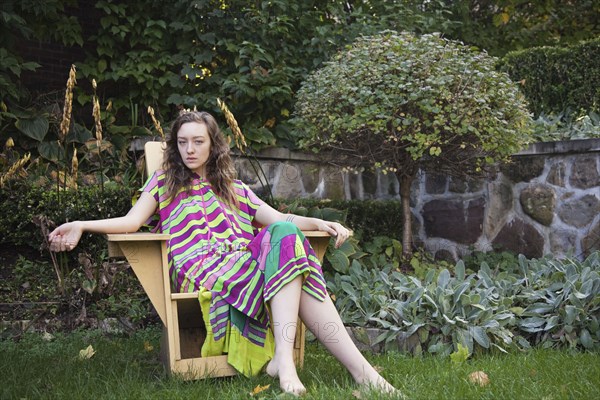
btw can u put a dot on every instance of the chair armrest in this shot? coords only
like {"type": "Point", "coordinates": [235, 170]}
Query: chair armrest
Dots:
{"type": "Point", "coordinates": [114, 250]}
{"type": "Point", "coordinates": [137, 236]}
{"type": "Point", "coordinates": [319, 240]}
{"type": "Point", "coordinates": [316, 234]}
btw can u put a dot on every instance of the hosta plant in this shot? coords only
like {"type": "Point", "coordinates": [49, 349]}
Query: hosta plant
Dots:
{"type": "Point", "coordinates": [544, 302]}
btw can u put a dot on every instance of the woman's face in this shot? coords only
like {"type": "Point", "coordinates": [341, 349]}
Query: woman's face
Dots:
{"type": "Point", "coordinates": [193, 142]}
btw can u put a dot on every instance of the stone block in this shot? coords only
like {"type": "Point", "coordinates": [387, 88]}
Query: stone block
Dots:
{"type": "Point", "coordinates": [457, 220]}
{"type": "Point", "coordinates": [500, 202]}
{"type": "Point", "coordinates": [579, 212]}
{"type": "Point", "coordinates": [355, 185]}
{"type": "Point", "coordinates": [538, 201]}
{"type": "Point", "coordinates": [457, 185]}
{"type": "Point", "coordinates": [290, 174]}
{"type": "Point", "coordinates": [435, 183]}
{"type": "Point", "coordinates": [288, 185]}
{"type": "Point", "coordinates": [334, 183]}
{"type": "Point", "coordinates": [557, 174]}
{"type": "Point", "coordinates": [563, 241]}
{"type": "Point", "coordinates": [369, 184]}
{"type": "Point", "coordinates": [388, 186]}
{"type": "Point", "coordinates": [310, 177]}
{"type": "Point", "coordinates": [520, 237]}
{"type": "Point", "coordinates": [245, 171]}
{"type": "Point", "coordinates": [523, 169]}
{"type": "Point", "coordinates": [584, 173]}
{"type": "Point", "coordinates": [591, 241]}
{"type": "Point", "coordinates": [466, 185]}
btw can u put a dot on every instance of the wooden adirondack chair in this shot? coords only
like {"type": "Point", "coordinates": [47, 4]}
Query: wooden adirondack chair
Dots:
{"type": "Point", "coordinates": [183, 327]}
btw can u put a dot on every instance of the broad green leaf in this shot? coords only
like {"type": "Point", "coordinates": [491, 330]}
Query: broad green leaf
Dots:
{"type": "Point", "coordinates": [347, 248]}
{"type": "Point", "coordinates": [348, 288]}
{"type": "Point", "coordinates": [79, 134]}
{"type": "Point", "coordinates": [460, 355]}
{"type": "Point", "coordinates": [51, 151]}
{"type": "Point", "coordinates": [339, 261]}
{"type": "Point", "coordinates": [480, 336]}
{"type": "Point", "coordinates": [571, 314]}
{"type": "Point", "coordinates": [416, 295]}
{"type": "Point", "coordinates": [36, 128]}
{"type": "Point", "coordinates": [459, 270]}
{"type": "Point", "coordinates": [539, 308]}
{"type": "Point", "coordinates": [460, 290]}
{"type": "Point", "coordinates": [331, 214]}
{"type": "Point", "coordinates": [517, 310]}
{"type": "Point", "coordinates": [429, 277]}
{"type": "Point", "coordinates": [443, 278]}
{"type": "Point", "coordinates": [89, 285]}
{"type": "Point", "coordinates": [533, 324]}
{"type": "Point", "coordinates": [586, 339]}
{"type": "Point", "coordinates": [102, 65]}
{"type": "Point", "coordinates": [552, 322]}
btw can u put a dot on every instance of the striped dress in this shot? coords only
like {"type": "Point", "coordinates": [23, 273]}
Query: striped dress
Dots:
{"type": "Point", "coordinates": [222, 251]}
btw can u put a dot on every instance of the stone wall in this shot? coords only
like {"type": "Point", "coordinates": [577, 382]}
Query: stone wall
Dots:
{"type": "Point", "coordinates": [546, 201]}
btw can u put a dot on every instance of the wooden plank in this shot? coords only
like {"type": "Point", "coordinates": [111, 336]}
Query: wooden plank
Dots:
{"type": "Point", "coordinates": [114, 250]}
{"type": "Point", "coordinates": [316, 234]}
{"type": "Point", "coordinates": [154, 155]}
{"type": "Point", "coordinates": [184, 296]}
{"type": "Point", "coordinates": [203, 367]}
{"type": "Point", "coordinates": [137, 236]}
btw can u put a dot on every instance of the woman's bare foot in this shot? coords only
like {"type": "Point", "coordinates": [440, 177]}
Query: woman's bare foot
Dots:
{"type": "Point", "coordinates": [288, 377]}
{"type": "Point", "coordinates": [372, 380]}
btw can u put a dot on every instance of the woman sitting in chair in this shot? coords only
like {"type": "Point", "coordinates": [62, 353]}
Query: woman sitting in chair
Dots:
{"type": "Point", "coordinates": [258, 280]}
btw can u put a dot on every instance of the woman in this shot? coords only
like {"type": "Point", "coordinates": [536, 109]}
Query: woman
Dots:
{"type": "Point", "coordinates": [215, 247]}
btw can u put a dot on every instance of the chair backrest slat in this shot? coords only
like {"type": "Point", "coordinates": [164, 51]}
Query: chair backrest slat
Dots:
{"type": "Point", "coordinates": [154, 155]}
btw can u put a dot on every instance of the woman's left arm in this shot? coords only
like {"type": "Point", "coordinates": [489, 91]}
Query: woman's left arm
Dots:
{"type": "Point", "coordinates": [266, 215]}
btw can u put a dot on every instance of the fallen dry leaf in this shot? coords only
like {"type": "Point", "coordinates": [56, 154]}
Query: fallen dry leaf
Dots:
{"type": "Point", "coordinates": [533, 372]}
{"type": "Point", "coordinates": [480, 378]}
{"type": "Point", "coordinates": [259, 389]}
{"type": "Point", "coordinates": [356, 393]}
{"type": "Point", "coordinates": [86, 353]}
{"type": "Point", "coordinates": [148, 347]}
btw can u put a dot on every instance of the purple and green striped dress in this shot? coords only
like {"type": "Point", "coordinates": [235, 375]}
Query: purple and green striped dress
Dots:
{"type": "Point", "coordinates": [224, 251]}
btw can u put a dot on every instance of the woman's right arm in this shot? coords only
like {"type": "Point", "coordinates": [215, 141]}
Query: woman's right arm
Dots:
{"type": "Point", "coordinates": [66, 236]}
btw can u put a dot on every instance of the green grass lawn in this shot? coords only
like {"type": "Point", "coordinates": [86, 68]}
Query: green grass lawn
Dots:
{"type": "Point", "coordinates": [128, 368]}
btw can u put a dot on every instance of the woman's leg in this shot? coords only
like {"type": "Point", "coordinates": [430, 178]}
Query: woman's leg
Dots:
{"type": "Point", "coordinates": [325, 323]}
{"type": "Point", "coordinates": [284, 310]}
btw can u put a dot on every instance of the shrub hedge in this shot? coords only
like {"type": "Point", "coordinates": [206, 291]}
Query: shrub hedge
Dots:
{"type": "Point", "coordinates": [556, 79]}
{"type": "Point", "coordinates": [20, 204]}
{"type": "Point", "coordinates": [367, 218]}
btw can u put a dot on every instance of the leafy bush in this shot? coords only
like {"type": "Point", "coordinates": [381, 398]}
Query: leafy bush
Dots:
{"type": "Point", "coordinates": [566, 126]}
{"type": "Point", "coordinates": [83, 283]}
{"type": "Point", "coordinates": [545, 302]}
{"type": "Point", "coordinates": [556, 79]}
{"type": "Point", "coordinates": [21, 204]}
{"type": "Point", "coordinates": [360, 214]}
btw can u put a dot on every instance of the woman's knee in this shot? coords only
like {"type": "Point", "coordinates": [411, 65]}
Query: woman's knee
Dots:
{"type": "Point", "coordinates": [284, 225]}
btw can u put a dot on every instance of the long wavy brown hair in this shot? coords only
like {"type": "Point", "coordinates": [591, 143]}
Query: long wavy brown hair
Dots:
{"type": "Point", "coordinates": [220, 170]}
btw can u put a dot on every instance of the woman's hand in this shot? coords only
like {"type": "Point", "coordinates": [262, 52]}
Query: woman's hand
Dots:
{"type": "Point", "coordinates": [336, 230]}
{"type": "Point", "coordinates": [65, 237]}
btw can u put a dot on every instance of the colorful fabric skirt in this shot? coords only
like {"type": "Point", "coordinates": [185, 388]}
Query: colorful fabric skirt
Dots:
{"type": "Point", "coordinates": [236, 285]}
